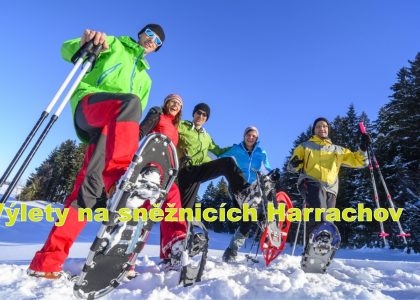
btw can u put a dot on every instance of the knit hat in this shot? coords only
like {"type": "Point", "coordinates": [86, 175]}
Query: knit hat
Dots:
{"type": "Point", "coordinates": [156, 29]}
{"type": "Point", "coordinates": [173, 97]}
{"type": "Point", "coordinates": [317, 120]}
{"type": "Point", "coordinates": [250, 128]}
{"type": "Point", "coordinates": [204, 107]}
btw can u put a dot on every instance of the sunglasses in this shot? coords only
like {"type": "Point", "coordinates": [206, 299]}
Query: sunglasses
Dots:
{"type": "Point", "coordinates": [151, 34]}
{"type": "Point", "coordinates": [201, 113]}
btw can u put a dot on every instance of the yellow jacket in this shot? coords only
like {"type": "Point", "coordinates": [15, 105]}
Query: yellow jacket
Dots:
{"type": "Point", "coordinates": [322, 161]}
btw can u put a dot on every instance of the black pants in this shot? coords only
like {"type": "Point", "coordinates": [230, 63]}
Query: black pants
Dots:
{"type": "Point", "coordinates": [110, 123]}
{"type": "Point", "coordinates": [190, 178]}
{"type": "Point", "coordinates": [245, 227]}
{"type": "Point", "coordinates": [315, 196]}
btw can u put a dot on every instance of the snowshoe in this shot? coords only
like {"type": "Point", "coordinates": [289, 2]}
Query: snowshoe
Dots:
{"type": "Point", "coordinates": [251, 196]}
{"type": "Point", "coordinates": [117, 245]}
{"type": "Point", "coordinates": [194, 258]}
{"type": "Point", "coordinates": [251, 258]}
{"type": "Point", "coordinates": [274, 234]}
{"type": "Point", "coordinates": [324, 241]}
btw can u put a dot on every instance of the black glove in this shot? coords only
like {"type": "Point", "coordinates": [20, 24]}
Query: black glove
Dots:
{"type": "Point", "coordinates": [150, 121]}
{"type": "Point", "coordinates": [185, 161]}
{"type": "Point", "coordinates": [274, 174]}
{"type": "Point", "coordinates": [295, 162]}
{"type": "Point", "coordinates": [364, 142]}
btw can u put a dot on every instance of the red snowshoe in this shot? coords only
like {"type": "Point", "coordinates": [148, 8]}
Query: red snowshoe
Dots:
{"type": "Point", "coordinates": [274, 236]}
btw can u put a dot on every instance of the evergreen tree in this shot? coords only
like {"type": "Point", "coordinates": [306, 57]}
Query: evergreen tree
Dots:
{"type": "Point", "coordinates": [345, 134]}
{"type": "Point", "coordinates": [396, 148]}
{"type": "Point", "coordinates": [412, 158]}
{"type": "Point", "coordinates": [208, 201]}
{"type": "Point", "coordinates": [363, 233]}
{"type": "Point", "coordinates": [214, 197]}
{"type": "Point", "coordinates": [222, 197]}
{"type": "Point", "coordinates": [54, 179]}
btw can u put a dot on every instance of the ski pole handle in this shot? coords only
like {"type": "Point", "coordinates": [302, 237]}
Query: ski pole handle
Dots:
{"type": "Point", "coordinates": [362, 128]}
{"type": "Point", "coordinates": [95, 52]}
{"type": "Point", "coordinates": [82, 52]}
{"type": "Point", "coordinates": [93, 55]}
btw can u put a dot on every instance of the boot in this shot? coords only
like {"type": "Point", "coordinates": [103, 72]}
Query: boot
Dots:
{"type": "Point", "coordinates": [235, 244]}
{"type": "Point", "coordinates": [46, 275]}
{"type": "Point", "coordinates": [250, 195]}
{"type": "Point", "coordinates": [147, 187]}
{"type": "Point", "coordinates": [57, 246]}
{"type": "Point", "coordinates": [229, 256]}
{"type": "Point", "coordinates": [175, 261]}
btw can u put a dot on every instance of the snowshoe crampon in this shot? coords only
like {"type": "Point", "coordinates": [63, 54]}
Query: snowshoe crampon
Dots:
{"type": "Point", "coordinates": [324, 241]}
{"type": "Point", "coordinates": [194, 261]}
{"type": "Point", "coordinates": [117, 244]}
{"type": "Point", "coordinates": [274, 236]}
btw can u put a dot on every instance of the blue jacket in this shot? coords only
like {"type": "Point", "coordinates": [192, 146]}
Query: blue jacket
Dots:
{"type": "Point", "coordinates": [246, 162]}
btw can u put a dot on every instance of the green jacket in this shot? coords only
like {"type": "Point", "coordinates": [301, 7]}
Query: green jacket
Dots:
{"type": "Point", "coordinates": [196, 144]}
{"type": "Point", "coordinates": [119, 69]}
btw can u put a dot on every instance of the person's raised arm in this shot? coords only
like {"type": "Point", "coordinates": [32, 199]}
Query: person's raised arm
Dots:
{"type": "Point", "coordinates": [150, 121]}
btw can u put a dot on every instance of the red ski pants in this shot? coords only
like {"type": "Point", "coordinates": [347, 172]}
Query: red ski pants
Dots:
{"type": "Point", "coordinates": [110, 123]}
{"type": "Point", "coordinates": [171, 232]}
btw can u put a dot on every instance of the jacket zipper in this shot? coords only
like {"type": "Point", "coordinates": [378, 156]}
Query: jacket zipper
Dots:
{"type": "Point", "coordinates": [307, 161]}
{"type": "Point", "coordinates": [132, 73]}
{"type": "Point", "coordinates": [106, 73]}
{"type": "Point", "coordinates": [201, 146]}
{"type": "Point", "coordinates": [250, 161]}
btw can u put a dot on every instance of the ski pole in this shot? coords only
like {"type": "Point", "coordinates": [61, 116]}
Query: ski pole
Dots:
{"type": "Point", "coordinates": [248, 256]}
{"type": "Point", "coordinates": [388, 196]}
{"type": "Point", "coordinates": [89, 62]}
{"type": "Point", "coordinates": [256, 252]}
{"type": "Point", "coordinates": [296, 237]}
{"type": "Point", "coordinates": [297, 232]}
{"type": "Point", "coordinates": [257, 236]}
{"type": "Point", "coordinates": [382, 234]}
{"type": "Point", "coordinates": [77, 59]}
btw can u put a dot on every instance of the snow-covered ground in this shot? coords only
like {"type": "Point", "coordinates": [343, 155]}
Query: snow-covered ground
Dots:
{"type": "Point", "coordinates": [354, 274]}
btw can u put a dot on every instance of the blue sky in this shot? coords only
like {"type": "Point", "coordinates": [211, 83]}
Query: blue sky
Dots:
{"type": "Point", "coordinates": [277, 65]}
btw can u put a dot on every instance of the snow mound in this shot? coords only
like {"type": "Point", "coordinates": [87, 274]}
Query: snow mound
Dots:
{"type": "Point", "coordinates": [346, 279]}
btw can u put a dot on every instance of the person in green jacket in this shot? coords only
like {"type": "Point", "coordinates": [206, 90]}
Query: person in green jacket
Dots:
{"type": "Point", "coordinates": [107, 107]}
{"type": "Point", "coordinates": [197, 167]}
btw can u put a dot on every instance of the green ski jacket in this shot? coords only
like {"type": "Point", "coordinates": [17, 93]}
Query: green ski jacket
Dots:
{"type": "Point", "coordinates": [119, 69]}
{"type": "Point", "coordinates": [196, 143]}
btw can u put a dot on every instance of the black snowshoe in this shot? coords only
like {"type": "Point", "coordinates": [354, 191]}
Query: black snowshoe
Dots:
{"type": "Point", "coordinates": [324, 241]}
{"type": "Point", "coordinates": [117, 244]}
{"type": "Point", "coordinates": [195, 256]}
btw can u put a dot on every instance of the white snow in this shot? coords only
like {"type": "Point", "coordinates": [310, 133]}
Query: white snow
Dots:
{"type": "Point", "coordinates": [354, 274]}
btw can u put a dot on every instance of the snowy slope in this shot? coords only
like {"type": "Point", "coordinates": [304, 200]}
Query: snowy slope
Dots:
{"type": "Point", "coordinates": [355, 274]}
